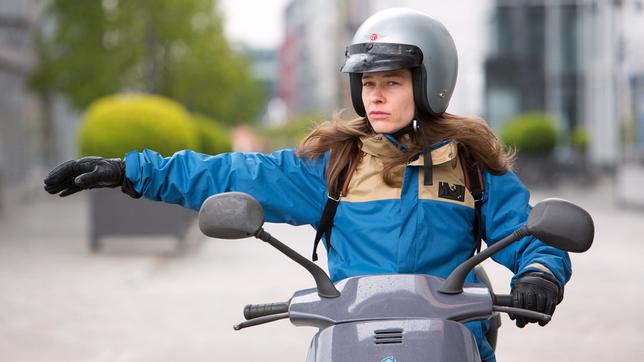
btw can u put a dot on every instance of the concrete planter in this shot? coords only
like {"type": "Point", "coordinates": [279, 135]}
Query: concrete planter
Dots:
{"type": "Point", "coordinates": [116, 214]}
{"type": "Point", "coordinates": [579, 170]}
{"type": "Point", "coordinates": [539, 170]}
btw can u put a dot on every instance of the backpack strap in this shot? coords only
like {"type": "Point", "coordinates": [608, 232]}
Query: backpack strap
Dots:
{"type": "Point", "coordinates": [474, 182]}
{"type": "Point", "coordinates": [331, 206]}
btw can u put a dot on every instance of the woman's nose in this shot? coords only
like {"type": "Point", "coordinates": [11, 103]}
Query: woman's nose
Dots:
{"type": "Point", "coordinates": [377, 96]}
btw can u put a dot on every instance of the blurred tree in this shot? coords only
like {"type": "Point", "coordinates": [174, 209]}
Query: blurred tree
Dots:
{"type": "Point", "coordinates": [291, 132]}
{"type": "Point", "coordinates": [175, 48]}
{"type": "Point", "coordinates": [214, 137]}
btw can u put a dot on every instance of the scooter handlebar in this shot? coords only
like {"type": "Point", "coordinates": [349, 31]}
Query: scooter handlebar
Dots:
{"type": "Point", "coordinates": [252, 311]}
{"type": "Point", "coordinates": [504, 300]}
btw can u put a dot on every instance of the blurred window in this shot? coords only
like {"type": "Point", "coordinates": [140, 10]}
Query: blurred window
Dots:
{"type": "Point", "coordinates": [535, 31]}
{"type": "Point", "coordinates": [570, 39]}
{"type": "Point", "coordinates": [504, 31]}
{"type": "Point", "coordinates": [503, 103]}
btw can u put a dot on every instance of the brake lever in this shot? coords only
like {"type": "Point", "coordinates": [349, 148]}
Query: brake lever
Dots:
{"type": "Point", "coordinates": [260, 320]}
{"type": "Point", "coordinates": [542, 317]}
{"type": "Point", "coordinates": [503, 303]}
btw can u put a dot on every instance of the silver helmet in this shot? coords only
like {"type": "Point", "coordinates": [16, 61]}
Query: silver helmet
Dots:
{"type": "Point", "coordinates": [404, 38]}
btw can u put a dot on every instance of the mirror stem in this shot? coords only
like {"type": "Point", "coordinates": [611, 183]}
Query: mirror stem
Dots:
{"type": "Point", "coordinates": [326, 289]}
{"type": "Point", "coordinates": [455, 281]}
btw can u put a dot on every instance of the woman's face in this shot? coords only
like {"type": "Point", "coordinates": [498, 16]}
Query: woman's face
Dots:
{"type": "Point", "coordinates": [388, 98]}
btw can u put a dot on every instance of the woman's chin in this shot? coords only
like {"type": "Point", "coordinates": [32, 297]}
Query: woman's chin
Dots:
{"type": "Point", "coordinates": [386, 126]}
{"type": "Point", "coordinates": [381, 128]}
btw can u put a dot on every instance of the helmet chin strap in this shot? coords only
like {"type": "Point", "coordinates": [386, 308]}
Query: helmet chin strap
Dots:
{"type": "Point", "coordinates": [412, 126]}
{"type": "Point", "coordinates": [415, 126]}
{"type": "Point", "coordinates": [428, 164]}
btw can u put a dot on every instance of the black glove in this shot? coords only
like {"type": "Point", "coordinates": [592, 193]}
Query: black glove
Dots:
{"type": "Point", "coordinates": [537, 291]}
{"type": "Point", "coordinates": [88, 173]}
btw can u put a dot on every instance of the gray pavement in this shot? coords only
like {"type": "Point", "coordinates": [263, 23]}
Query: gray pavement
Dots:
{"type": "Point", "coordinates": [140, 301]}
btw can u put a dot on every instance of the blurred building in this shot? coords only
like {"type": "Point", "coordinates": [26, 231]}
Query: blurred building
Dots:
{"type": "Point", "coordinates": [637, 101]}
{"type": "Point", "coordinates": [574, 59]}
{"type": "Point", "coordinates": [35, 133]}
{"type": "Point", "coordinates": [264, 67]}
{"type": "Point", "coordinates": [308, 56]}
{"type": "Point", "coordinates": [18, 118]}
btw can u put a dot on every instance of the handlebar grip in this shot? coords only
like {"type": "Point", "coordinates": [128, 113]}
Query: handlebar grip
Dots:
{"type": "Point", "coordinates": [253, 311]}
{"type": "Point", "coordinates": [504, 300]}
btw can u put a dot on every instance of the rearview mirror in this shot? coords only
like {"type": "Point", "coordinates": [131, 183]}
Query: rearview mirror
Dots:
{"type": "Point", "coordinates": [562, 224]}
{"type": "Point", "coordinates": [236, 215]}
{"type": "Point", "coordinates": [556, 222]}
{"type": "Point", "coordinates": [231, 215]}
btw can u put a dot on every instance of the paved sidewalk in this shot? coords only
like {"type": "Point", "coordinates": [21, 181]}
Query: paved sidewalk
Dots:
{"type": "Point", "coordinates": [139, 301]}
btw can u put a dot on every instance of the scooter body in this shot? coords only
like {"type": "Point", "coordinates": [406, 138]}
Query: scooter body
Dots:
{"type": "Point", "coordinates": [396, 317]}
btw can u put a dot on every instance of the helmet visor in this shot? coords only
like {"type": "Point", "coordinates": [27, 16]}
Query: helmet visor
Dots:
{"type": "Point", "coordinates": [379, 57]}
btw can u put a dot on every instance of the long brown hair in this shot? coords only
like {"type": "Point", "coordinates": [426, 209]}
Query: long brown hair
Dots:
{"type": "Point", "coordinates": [477, 143]}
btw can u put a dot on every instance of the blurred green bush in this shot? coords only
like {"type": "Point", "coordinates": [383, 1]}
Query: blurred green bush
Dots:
{"type": "Point", "coordinates": [117, 124]}
{"type": "Point", "coordinates": [531, 133]}
{"type": "Point", "coordinates": [290, 133]}
{"type": "Point", "coordinates": [214, 137]}
{"type": "Point", "coordinates": [579, 138]}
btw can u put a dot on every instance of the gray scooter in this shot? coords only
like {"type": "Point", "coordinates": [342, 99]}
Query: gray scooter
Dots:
{"type": "Point", "coordinates": [393, 317]}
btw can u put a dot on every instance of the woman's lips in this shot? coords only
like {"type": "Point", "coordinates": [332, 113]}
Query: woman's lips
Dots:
{"type": "Point", "coordinates": [378, 115]}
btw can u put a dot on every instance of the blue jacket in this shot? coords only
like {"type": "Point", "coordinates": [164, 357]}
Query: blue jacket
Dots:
{"type": "Point", "coordinates": [377, 229]}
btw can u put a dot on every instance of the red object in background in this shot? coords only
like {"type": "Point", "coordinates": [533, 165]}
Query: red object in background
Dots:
{"type": "Point", "coordinates": [374, 36]}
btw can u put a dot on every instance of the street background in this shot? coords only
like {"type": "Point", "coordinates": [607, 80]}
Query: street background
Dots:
{"type": "Point", "coordinates": [140, 300]}
{"type": "Point", "coordinates": [243, 75]}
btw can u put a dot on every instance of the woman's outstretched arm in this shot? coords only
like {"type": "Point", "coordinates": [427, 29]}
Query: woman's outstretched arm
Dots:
{"type": "Point", "coordinates": [291, 189]}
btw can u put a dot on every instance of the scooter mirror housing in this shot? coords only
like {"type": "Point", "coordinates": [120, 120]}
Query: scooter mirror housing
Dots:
{"type": "Point", "coordinates": [562, 224]}
{"type": "Point", "coordinates": [231, 215]}
{"type": "Point", "coordinates": [236, 215]}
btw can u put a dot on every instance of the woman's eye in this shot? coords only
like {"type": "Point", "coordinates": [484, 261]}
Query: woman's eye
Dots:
{"type": "Point", "coordinates": [392, 83]}
{"type": "Point", "coordinates": [367, 84]}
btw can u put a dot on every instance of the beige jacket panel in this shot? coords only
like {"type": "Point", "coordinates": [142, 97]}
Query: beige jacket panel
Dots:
{"type": "Point", "coordinates": [366, 183]}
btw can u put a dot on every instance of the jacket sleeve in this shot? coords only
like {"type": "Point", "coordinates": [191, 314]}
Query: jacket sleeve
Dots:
{"type": "Point", "coordinates": [505, 208]}
{"type": "Point", "coordinates": [289, 188]}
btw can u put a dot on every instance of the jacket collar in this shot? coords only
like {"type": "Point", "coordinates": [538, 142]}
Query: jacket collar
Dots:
{"type": "Point", "coordinates": [380, 146]}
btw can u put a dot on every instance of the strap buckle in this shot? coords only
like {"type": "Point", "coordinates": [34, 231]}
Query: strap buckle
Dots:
{"type": "Point", "coordinates": [477, 195]}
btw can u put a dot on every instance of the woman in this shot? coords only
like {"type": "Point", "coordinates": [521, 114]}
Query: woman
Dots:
{"type": "Point", "coordinates": [404, 188]}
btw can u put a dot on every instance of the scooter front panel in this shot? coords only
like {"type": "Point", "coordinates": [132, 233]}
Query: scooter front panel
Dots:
{"type": "Point", "coordinates": [407, 340]}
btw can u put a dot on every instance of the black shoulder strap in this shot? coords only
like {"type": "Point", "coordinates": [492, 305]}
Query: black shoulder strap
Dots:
{"type": "Point", "coordinates": [328, 214]}
{"type": "Point", "coordinates": [476, 189]}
